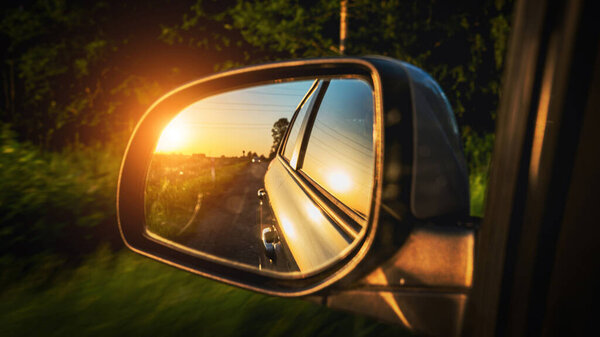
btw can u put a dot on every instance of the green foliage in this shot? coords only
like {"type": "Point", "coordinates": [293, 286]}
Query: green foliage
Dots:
{"type": "Point", "coordinates": [70, 75]}
{"type": "Point", "coordinates": [128, 295]}
{"type": "Point", "coordinates": [176, 187]}
{"type": "Point", "coordinates": [461, 45]}
{"type": "Point", "coordinates": [283, 26]}
{"type": "Point", "coordinates": [54, 201]}
{"type": "Point", "coordinates": [478, 152]}
{"type": "Point", "coordinates": [51, 51]}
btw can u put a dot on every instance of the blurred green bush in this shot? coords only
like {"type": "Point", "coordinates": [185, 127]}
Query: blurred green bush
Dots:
{"type": "Point", "coordinates": [478, 152]}
{"type": "Point", "coordinates": [124, 294]}
{"type": "Point", "coordinates": [56, 201]}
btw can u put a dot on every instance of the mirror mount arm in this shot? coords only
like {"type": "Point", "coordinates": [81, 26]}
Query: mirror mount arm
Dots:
{"type": "Point", "coordinates": [431, 274]}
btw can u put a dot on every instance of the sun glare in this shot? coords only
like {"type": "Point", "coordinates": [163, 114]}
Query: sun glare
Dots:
{"type": "Point", "coordinates": [288, 227]}
{"type": "Point", "coordinates": [172, 138]}
{"type": "Point", "coordinates": [313, 212]}
{"type": "Point", "coordinates": [339, 181]}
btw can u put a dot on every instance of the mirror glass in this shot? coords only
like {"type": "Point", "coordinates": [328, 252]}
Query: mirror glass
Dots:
{"type": "Point", "coordinates": [228, 181]}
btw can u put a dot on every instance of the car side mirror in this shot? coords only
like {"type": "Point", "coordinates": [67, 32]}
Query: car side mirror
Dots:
{"type": "Point", "coordinates": [341, 179]}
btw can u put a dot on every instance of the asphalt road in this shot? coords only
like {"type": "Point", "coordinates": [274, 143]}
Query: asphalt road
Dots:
{"type": "Point", "coordinates": [227, 225]}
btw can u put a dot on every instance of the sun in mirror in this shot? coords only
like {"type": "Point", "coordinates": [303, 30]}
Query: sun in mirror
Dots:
{"type": "Point", "coordinates": [217, 185]}
{"type": "Point", "coordinates": [173, 137]}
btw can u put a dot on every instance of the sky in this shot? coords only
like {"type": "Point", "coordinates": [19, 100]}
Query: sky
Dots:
{"type": "Point", "coordinates": [229, 123]}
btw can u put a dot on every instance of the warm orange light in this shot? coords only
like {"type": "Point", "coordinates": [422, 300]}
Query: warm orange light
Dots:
{"type": "Point", "coordinates": [339, 181]}
{"type": "Point", "coordinates": [313, 212]}
{"type": "Point", "coordinates": [172, 138]}
{"type": "Point", "coordinates": [378, 277]}
{"type": "Point", "coordinates": [288, 228]}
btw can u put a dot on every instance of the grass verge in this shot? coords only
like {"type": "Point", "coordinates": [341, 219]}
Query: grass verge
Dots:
{"type": "Point", "coordinates": [128, 295]}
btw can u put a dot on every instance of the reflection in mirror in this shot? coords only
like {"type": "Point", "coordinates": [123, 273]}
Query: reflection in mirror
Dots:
{"type": "Point", "coordinates": [217, 185]}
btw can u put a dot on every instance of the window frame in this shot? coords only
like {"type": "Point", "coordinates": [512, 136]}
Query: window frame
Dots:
{"type": "Point", "coordinates": [314, 89]}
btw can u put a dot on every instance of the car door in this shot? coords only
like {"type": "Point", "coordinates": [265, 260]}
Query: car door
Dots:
{"type": "Point", "coordinates": [316, 183]}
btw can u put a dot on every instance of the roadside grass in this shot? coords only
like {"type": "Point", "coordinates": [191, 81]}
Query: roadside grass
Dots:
{"type": "Point", "coordinates": [128, 295]}
{"type": "Point", "coordinates": [175, 189]}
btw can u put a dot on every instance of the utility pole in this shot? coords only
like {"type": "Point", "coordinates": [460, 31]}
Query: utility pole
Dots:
{"type": "Point", "coordinates": [343, 25]}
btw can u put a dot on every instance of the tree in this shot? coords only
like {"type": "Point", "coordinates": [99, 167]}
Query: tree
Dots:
{"type": "Point", "coordinates": [72, 72]}
{"type": "Point", "coordinates": [278, 130]}
{"type": "Point", "coordinates": [462, 45]}
{"type": "Point", "coordinates": [76, 73]}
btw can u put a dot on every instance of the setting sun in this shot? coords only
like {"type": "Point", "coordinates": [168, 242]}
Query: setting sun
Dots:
{"type": "Point", "coordinates": [172, 138]}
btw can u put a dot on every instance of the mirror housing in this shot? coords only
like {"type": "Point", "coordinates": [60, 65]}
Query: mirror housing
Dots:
{"type": "Point", "coordinates": [414, 264]}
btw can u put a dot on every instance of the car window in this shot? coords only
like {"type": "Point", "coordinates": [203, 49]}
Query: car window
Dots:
{"type": "Point", "coordinates": [297, 124]}
{"type": "Point", "coordinates": [339, 154]}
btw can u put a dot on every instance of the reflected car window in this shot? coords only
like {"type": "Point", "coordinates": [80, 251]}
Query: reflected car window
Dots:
{"type": "Point", "coordinates": [339, 154]}
{"type": "Point", "coordinates": [293, 136]}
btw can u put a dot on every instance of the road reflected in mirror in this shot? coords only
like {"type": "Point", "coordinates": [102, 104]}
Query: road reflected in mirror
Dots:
{"type": "Point", "coordinates": [221, 183]}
